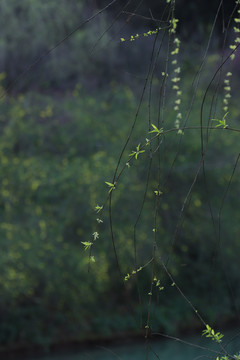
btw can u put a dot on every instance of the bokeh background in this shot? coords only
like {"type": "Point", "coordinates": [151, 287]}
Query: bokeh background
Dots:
{"type": "Point", "coordinates": [63, 123]}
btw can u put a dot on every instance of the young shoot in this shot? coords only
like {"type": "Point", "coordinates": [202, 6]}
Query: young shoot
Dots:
{"type": "Point", "coordinates": [111, 186]}
{"type": "Point", "coordinates": [210, 333]}
{"type": "Point", "coordinates": [158, 192]}
{"type": "Point", "coordinates": [222, 122]}
{"type": "Point", "coordinates": [87, 245]}
{"type": "Point", "coordinates": [156, 130]}
{"type": "Point", "coordinates": [95, 235]}
{"type": "Point", "coordinates": [137, 152]}
{"type": "Point", "coordinates": [98, 208]}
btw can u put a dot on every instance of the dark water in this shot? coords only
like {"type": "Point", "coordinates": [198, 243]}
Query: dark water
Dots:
{"type": "Point", "coordinates": [187, 348]}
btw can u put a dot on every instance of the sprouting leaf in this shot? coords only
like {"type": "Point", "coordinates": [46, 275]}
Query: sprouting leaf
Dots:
{"type": "Point", "coordinates": [87, 244]}
{"type": "Point", "coordinates": [92, 259]}
{"type": "Point", "coordinates": [95, 235]}
{"type": "Point", "coordinates": [111, 185]}
{"type": "Point", "coordinates": [127, 277]}
{"type": "Point", "coordinates": [222, 122]}
{"type": "Point", "coordinates": [98, 208]}
{"type": "Point", "coordinates": [158, 192]}
{"type": "Point", "coordinates": [156, 130]}
{"type": "Point", "coordinates": [137, 152]}
{"type": "Point", "coordinates": [210, 333]}
{"type": "Point", "coordinates": [176, 79]}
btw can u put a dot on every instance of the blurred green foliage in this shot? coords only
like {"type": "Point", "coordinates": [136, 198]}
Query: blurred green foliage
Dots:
{"type": "Point", "coordinates": [31, 28]}
{"type": "Point", "coordinates": [55, 155]}
{"type": "Point", "coordinates": [54, 161]}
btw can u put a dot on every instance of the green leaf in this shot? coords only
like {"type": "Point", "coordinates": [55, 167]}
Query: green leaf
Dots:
{"type": "Point", "coordinates": [222, 122]}
{"type": "Point", "coordinates": [111, 185]}
{"type": "Point", "coordinates": [210, 333]}
{"type": "Point", "coordinates": [156, 130]}
{"type": "Point", "coordinates": [98, 208]}
{"type": "Point", "coordinates": [137, 152]}
{"type": "Point", "coordinates": [95, 235]}
{"type": "Point", "coordinates": [87, 244]}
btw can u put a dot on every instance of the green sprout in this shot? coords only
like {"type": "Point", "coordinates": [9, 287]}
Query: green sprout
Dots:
{"type": "Point", "coordinates": [158, 192]}
{"type": "Point", "coordinates": [95, 235]}
{"type": "Point", "coordinates": [136, 36]}
{"type": "Point", "coordinates": [98, 208]}
{"type": "Point", "coordinates": [87, 244]}
{"type": "Point", "coordinates": [156, 130]}
{"type": "Point", "coordinates": [222, 122]}
{"type": "Point", "coordinates": [137, 152]}
{"type": "Point", "coordinates": [210, 333]}
{"type": "Point", "coordinates": [111, 185]}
